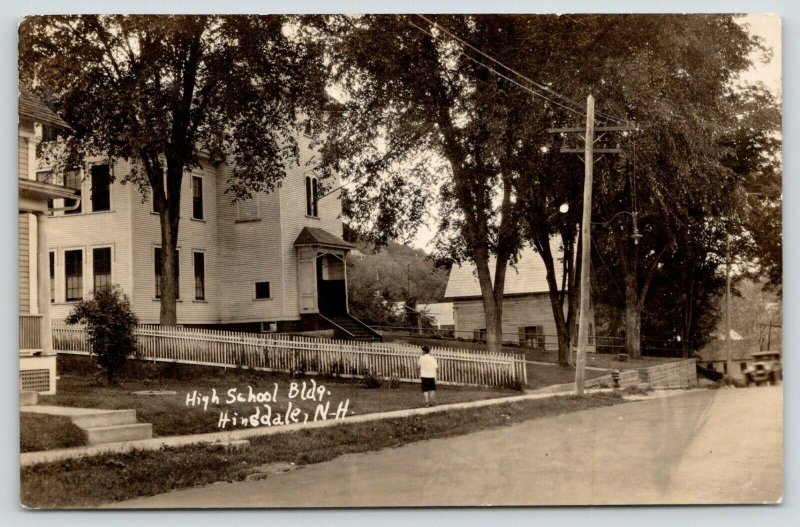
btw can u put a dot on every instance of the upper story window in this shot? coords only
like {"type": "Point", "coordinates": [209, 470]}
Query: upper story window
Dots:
{"type": "Point", "coordinates": [72, 179]}
{"type": "Point", "coordinates": [101, 188]}
{"type": "Point", "coordinates": [312, 196]}
{"type": "Point", "coordinates": [197, 197]}
{"type": "Point", "coordinates": [249, 209]}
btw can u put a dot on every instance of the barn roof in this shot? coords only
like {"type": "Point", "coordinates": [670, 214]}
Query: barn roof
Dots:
{"type": "Point", "coordinates": [34, 108]}
{"type": "Point", "coordinates": [526, 277]}
{"type": "Point", "coordinates": [317, 236]}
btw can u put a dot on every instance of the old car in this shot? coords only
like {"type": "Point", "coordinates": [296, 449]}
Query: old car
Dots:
{"type": "Point", "coordinates": [765, 366]}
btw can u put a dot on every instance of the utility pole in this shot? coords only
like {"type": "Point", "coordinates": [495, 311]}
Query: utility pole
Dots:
{"type": "Point", "coordinates": [588, 152]}
{"type": "Point", "coordinates": [586, 237]}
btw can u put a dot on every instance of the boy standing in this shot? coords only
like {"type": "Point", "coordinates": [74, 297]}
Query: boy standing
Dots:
{"type": "Point", "coordinates": [427, 374]}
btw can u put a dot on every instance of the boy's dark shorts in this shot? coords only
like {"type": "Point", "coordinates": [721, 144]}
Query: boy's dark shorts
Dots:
{"type": "Point", "coordinates": [428, 384]}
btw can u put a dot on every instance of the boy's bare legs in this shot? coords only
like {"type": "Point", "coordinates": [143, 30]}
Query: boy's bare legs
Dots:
{"type": "Point", "coordinates": [433, 397]}
{"type": "Point", "coordinates": [425, 394]}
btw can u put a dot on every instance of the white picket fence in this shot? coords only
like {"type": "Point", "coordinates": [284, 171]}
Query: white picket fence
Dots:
{"type": "Point", "coordinates": [290, 353]}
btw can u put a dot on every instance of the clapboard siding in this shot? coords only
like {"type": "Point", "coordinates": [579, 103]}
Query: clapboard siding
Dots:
{"type": "Point", "coordinates": [22, 157]}
{"type": "Point", "coordinates": [193, 235]}
{"type": "Point", "coordinates": [249, 252]}
{"type": "Point", "coordinates": [24, 264]}
{"type": "Point", "coordinates": [237, 253]}
{"type": "Point", "coordinates": [528, 310]}
{"type": "Point", "coordinates": [88, 230]}
{"type": "Point", "coordinates": [294, 218]}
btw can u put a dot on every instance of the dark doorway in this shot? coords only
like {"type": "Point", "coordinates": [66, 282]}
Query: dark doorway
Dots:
{"type": "Point", "coordinates": [331, 285]}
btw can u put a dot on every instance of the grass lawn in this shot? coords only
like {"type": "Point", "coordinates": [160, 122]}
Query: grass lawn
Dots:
{"type": "Point", "coordinates": [597, 360]}
{"type": "Point", "coordinates": [89, 482]}
{"type": "Point", "coordinates": [169, 414]}
{"type": "Point", "coordinates": [47, 432]}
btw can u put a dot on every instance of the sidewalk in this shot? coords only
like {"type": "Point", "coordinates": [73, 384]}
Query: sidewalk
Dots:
{"type": "Point", "coordinates": [34, 458]}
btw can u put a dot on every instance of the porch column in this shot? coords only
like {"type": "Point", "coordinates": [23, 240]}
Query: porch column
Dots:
{"type": "Point", "coordinates": [43, 282]}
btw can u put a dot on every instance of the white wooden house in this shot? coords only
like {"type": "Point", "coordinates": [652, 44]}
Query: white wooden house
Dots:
{"type": "Point", "coordinates": [37, 359]}
{"type": "Point", "coordinates": [271, 263]}
{"type": "Point", "coordinates": [527, 313]}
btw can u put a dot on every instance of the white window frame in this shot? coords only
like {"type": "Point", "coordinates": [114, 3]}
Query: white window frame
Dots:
{"type": "Point", "coordinates": [89, 202]}
{"type": "Point", "coordinates": [113, 259]}
{"type": "Point", "coordinates": [255, 295]}
{"type": "Point", "coordinates": [153, 268]}
{"type": "Point", "coordinates": [84, 262]}
{"type": "Point", "coordinates": [205, 276]}
{"type": "Point", "coordinates": [202, 196]}
{"type": "Point", "coordinates": [256, 198]}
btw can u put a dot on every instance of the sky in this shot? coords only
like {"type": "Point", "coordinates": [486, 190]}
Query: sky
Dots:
{"type": "Point", "coordinates": [766, 26]}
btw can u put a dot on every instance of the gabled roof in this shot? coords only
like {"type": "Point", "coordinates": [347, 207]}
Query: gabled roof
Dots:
{"type": "Point", "coordinates": [526, 277]}
{"type": "Point", "coordinates": [317, 236]}
{"type": "Point", "coordinates": [34, 108]}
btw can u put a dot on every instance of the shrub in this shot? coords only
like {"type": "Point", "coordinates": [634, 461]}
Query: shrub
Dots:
{"type": "Point", "coordinates": [371, 379]}
{"type": "Point", "coordinates": [110, 324]}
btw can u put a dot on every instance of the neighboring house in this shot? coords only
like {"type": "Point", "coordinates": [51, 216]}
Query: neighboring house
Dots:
{"type": "Point", "coordinates": [440, 315]}
{"type": "Point", "coordinates": [714, 356]}
{"type": "Point", "coordinates": [275, 262]}
{"type": "Point", "coordinates": [527, 313]}
{"type": "Point", "coordinates": [37, 359]}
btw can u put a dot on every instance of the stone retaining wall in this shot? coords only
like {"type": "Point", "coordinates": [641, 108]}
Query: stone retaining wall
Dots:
{"type": "Point", "coordinates": [679, 373]}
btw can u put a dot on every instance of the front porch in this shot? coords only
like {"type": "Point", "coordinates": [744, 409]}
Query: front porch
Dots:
{"type": "Point", "coordinates": [37, 370]}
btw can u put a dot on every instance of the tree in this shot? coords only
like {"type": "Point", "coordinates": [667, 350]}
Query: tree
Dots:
{"type": "Point", "coordinates": [674, 77]}
{"type": "Point", "coordinates": [162, 91]}
{"type": "Point", "coordinates": [415, 113]}
{"type": "Point", "coordinates": [110, 324]}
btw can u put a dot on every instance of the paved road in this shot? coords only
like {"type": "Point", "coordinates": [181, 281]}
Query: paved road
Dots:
{"type": "Point", "coordinates": [709, 446]}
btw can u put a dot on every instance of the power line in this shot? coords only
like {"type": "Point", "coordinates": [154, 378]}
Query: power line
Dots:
{"type": "Point", "coordinates": [528, 79]}
{"type": "Point", "coordinates": [526, 88]}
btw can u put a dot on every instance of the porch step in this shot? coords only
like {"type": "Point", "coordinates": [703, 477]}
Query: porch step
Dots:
{"type": "Point", "coordinates": [117, 433]}
{"type": "Point", "coordinates": [105, 418]}
{"type": "Point", "coordinates": [28, 398]}
{"type": "Point", "coordinates": [356, 330]}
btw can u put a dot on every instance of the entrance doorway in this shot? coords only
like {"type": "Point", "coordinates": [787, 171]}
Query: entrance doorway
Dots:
{"type": "Point", "coordinates": [331, 284]}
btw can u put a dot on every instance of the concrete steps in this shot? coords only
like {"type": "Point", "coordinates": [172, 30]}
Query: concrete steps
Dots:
{"type": "Point", "coordinates": [117, 433]}
{"type": "Point", "coordinates": [28, 398]}
{"type": "Point", "coordinates": [99, 426]}
{"type": "Point", "coordinates": [105, 418]}
{"type": "Point", "coordinates": [112, 426]}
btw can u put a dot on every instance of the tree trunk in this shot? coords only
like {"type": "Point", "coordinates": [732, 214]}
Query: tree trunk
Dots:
{"type": "Point", "coordinates": [633, 318]}
{"type": "Point", "coordinates": [169, 268]}
{"type": "Point", "coordinates": [169, 209]}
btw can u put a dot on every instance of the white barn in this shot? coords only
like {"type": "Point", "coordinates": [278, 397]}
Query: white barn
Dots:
{"type": "Point", "coordinates": [527, 313]}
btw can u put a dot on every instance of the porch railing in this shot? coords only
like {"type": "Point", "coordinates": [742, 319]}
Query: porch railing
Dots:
{"type": "Point", "coordinates": [30, 336]}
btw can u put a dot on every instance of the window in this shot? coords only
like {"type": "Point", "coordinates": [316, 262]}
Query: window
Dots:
{"type": "Point", "coordinates": [249, 209]}
{"type": "Point", "coordinates": [262, 290]}
{"type": "Point", "coordinates": [312, 196]}
{"type": "Point", "coordinates": [101, 188]}
{"type": "Point", "coordinates": [532, 337]}
{"type": "Point", "coordinates": [479, 335]}
{"type": "Point", "coordinates": [157, 268]}
{"type": "Point", "coordinates": [72, 179]}
{"type": "Point", "coordinates": [73, 274]}
{"type": "Point", "coordinates": [101, 267]}
{"type": "Point", "coordinates": [197, 197]}
{"type": "Point", "coordinates": [52, 256]}
{"type": "Point", "coordinates": [199, 276]}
